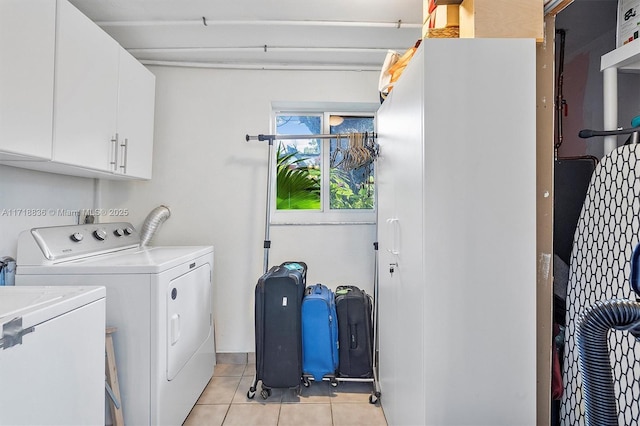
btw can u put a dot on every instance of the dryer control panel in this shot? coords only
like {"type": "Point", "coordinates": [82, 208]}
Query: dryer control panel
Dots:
{"type": "Point", "coordinates": [44, 246]}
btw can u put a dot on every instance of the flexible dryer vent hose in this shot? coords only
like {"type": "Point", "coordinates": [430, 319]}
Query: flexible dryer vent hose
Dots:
{"type": "Point", "coordinates": [154, 219]}
{"type": "Point", "coordinates": [597, 379]}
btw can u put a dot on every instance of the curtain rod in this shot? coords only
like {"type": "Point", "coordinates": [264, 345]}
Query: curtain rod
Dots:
{"type": "Point", "coordinates": [271, 138]}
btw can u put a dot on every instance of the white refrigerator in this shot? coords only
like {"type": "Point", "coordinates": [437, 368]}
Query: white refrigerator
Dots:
{"type": "Point", "coordinates": [52, 357]}
{"type": "Point", "coordinates": [456, 183]}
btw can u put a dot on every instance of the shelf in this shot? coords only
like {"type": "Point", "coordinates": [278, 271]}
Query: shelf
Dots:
{"type": "Point", "coordinates": [626, 57]}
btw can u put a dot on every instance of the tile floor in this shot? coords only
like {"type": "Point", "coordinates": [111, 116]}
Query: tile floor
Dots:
{"type": "Point", "coordinates": [224, 402]}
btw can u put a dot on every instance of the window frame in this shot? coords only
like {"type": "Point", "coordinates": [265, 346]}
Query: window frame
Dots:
{"type": "Point", "coordinates": [325, 215]}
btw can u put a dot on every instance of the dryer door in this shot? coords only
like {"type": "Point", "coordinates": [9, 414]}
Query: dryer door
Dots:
{"type": "Point", "coordinates": [189, 299]}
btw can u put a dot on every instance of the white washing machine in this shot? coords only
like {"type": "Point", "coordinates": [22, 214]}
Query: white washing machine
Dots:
{"type": "Point", "coordinates": [52, 355]}
{"type": "Point", "coordinates": [159, 298]}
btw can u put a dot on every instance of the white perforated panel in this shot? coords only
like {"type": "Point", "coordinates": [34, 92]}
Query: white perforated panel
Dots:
{"type": "Point", "coordinates": [607, 232]}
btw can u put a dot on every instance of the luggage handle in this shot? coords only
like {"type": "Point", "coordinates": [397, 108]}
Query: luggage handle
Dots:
{"type": "Point", "coordinates": [317, 289]}
{"type": "Point", "coordinates": [353, 337]}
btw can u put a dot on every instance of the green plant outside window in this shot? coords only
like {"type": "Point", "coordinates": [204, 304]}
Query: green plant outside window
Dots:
{"type": "Point", "coordinates": [299, 165]}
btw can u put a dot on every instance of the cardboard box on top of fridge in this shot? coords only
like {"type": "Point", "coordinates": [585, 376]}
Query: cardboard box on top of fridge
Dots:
{"type": "Point", "coordinates": [502, 19]}
{"type": "Point", "coordinates": [628, 21]}
{"type": "Point", "coordinates": [447, 13]}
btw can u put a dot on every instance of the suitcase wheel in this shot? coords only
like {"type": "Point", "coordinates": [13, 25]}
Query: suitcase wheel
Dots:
{"type": "Point", "coordinates": [374, 397]}
{"type": "Point", "coordinates": [333, 382]}
{"type": "Point", "coordinates": [265, 393]}
{"type": "Point", "coordinates": [305, 382]}
{"type": "Point", "coordinates": [251, 392]}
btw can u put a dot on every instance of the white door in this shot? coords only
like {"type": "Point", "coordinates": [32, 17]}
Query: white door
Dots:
{"type": "Point", "coordinates": [136, 100]}
{"type": "Point", "coordinates": [402, 290]}
{"type": "Point", "coordinates": [188, 317]}
{"type": "Point", "coordinates": [86, 85]}
{"type": "Point", "coordinates": [27, 46]}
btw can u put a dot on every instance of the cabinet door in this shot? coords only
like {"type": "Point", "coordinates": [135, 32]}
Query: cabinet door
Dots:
{"type": "Point", "coordinates": [387, 239]}
{"type": "Point", "coordinates": [402, 280]}
{"type": "Point", "coordinates": [86, 84]}
{"type": "Point", "coordinates": [136, 100]}
{"type": "Point", "coordinates": [27, 39]}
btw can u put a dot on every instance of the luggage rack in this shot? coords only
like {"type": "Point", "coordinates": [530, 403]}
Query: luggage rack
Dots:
{"type": "Point", "coordinates": [370, 144]}
{"type": "Point", "coordinates": [335, 380]}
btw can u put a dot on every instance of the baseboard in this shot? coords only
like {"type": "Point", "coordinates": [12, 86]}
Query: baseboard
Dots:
{"type": "Point", "coordinates": [236, 358]}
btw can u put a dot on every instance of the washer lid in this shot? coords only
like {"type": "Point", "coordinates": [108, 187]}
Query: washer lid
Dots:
{"type": "Point", "coordinates": [39, 304]}
{"type": "Point", "coordinates": [139, 260]}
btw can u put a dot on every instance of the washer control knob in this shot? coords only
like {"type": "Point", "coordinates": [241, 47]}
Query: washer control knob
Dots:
{"type": "Point", "coordinates": [128, 230]}
{"type": "Point", "coordinates": [100, 234]}
{"type": "Point", "coordinates": [118, 232]}
{"type": "Point", "coordinates": [76, 237]}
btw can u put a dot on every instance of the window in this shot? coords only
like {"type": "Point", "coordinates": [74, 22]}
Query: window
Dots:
{"type": "Point", "coordinates": [324, 179]}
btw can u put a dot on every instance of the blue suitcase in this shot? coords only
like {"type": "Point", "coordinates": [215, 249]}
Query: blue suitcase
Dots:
{"type": "Point", "coordinates": [319, 332]}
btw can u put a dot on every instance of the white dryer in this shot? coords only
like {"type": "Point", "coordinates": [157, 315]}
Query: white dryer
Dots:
{"type": "Point", "coordinates": [159, 298]}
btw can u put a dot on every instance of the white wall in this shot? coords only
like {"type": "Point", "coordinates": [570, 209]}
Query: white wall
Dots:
{"type": "Point", "coordinates": [214, 182]}
{"type": "Point", "coordinates": [31, 199]}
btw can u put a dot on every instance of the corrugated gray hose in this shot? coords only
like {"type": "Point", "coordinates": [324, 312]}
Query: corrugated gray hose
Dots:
{"type": "Point", "coordinates": [151, 224]}
{"type": "Point", "coordinates": [597, 379]}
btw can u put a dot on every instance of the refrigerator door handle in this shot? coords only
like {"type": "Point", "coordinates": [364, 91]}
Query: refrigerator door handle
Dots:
{"type": "Point", "coordinates": [395, 236]}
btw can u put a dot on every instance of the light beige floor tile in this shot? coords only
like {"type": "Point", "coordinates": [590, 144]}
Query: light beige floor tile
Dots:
{"type": "Point", "coordinates": [357, 414]}
{"type": "Point", "coordinates": [209, 415]}
{"type": "Point", "coordinates": [240, 396]}
{"type": "Point", "coordinates": [228, 370]}
{"type": "Point", "coordinates": [317, 392]}
{"type": "Point", "coordinates": [252, 414]}
{"type": "Point", "coordinates": [358, 392]}
{"type": "Point", "coordinates": [305, 415]}
{"type": "Point", "coordinates": [250, 370]}
{"type": "Point", "coordinates": [220, 390]}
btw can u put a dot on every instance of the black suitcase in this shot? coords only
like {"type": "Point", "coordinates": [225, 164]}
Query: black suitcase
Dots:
{"type": "Point", "coordinates": [278, 331]}
{"type": "Point", "coordinates": [355, 332]}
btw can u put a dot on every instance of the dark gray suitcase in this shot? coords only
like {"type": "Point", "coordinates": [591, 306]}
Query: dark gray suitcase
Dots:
{"type": "Point", "coordinates": [355, 332]}
{"type": "Point", "coordinates": [278, 332]}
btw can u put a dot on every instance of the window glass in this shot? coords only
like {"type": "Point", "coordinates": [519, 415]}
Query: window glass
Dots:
{"type": "Point", "coordinates": [299, 163]}
{"type": "Point", "coordinates": [352, 173]}
{"type": "Point", "coordinates": [324, 180]}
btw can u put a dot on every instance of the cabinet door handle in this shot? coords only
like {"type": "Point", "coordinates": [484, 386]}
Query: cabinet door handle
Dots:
{"type": "Point", "coordinates": [395, 236]}
{"type": "Point", "coordinates": [114, 153]}
{"type": "Point", "coordinates": [125, 150]}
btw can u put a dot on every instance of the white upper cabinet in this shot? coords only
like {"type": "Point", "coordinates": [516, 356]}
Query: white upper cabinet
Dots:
{"type": "Point", "coordinates": [86, 98]}
{"type": "Point", "coordinates": [85, 103]}
{"type": "Point", "coordinates": [136, 101]}
{"type": "Point", "coordinates": [27, 41]}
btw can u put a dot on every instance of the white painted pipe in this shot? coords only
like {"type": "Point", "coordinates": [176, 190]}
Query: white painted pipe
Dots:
{"type": "Point", "coordinates": [253, 66]}
{"type": "Point", "coordinates": [204, 22]}
{"type": "Point", "coordinates": [263, 48]}
{"type": "Point", "coordinates": [610, 103]}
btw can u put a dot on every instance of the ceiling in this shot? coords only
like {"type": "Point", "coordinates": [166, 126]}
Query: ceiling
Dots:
{"type": "Point", "coordinates": [289, 34]}
{"type": "Point", "coordinates": [257, 34]}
